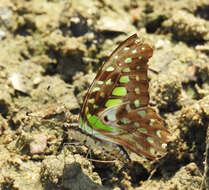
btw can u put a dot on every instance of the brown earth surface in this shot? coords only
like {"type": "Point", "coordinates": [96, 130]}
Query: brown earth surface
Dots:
{"type": "Point", "coordinates": [49, 54]}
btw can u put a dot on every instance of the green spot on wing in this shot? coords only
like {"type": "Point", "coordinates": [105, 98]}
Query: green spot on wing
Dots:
{"type": "Point", "coordinates": [100, 82]}
{"type": "Point", "coordinates": [134, 51]}
{"type": "Point", "coordinates": [136, 90]}
{"type": "Point", "coordinates": [150, 140]}
{"type": "Point", "coordinates": [124, 79]}
{"type": "Point", "coordinates": [126, 70]}
{"type": "Point", "coordinates": [136, 124]}
{"type": "Point", "coordinates": [91, 119]}
{"type": "Point", "coordinates": [125, 120]}
{"type": "Point", "coordinates": [128, 60]}
{"type": "Point", "coordinates": [95, 123]}
{"type": "Point", "coordinates": [136, 103]}
{"type": "Point", "coordinates": [102, 94]}
{"type": "Point", "coordinates": [129, 137]}
{"type": "Point", "coordinates": [95, 106]}
{"type": "Point", "coordinates": [108, 82]}
{"type": "Point", "coordinates": [91, 101]}
{"type": "Point", "coordinates": [142, 113]}
{"type": "Point", "coordinates": [119, 91]}
{"type": "Point", "coordinates": [95, 89]}
{"type": "Point", "coordinates": [110, 68]}
{"type": "Point", "coordinates": [159, 133]}
{"type": "Point", "coordinates": [151, 122]}
{"type": "Point", "coordinates": [113, 102]}
{"type": "Point", "coordinates": [152, 151]}
{"type": "Point", "coordinates": [142, 130]}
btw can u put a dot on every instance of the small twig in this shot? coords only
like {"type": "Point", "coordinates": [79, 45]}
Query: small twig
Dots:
{"type": "Point", "coordinates": [205, 180]}
{"type": "Point", "coordinates": [153, 70]}
{"type": "Point", "coordinates": [102, 161]}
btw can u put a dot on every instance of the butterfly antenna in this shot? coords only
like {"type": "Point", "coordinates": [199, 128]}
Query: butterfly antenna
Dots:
{"type": "Point", "coordinates": [154, 70]}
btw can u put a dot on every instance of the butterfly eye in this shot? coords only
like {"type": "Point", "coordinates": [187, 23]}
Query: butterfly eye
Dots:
{"type": "Point", "coordinates": [106, 119]}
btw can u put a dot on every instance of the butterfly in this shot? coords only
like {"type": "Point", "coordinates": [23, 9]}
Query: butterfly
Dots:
{"type": "Point", "coordinates": [116, 113]}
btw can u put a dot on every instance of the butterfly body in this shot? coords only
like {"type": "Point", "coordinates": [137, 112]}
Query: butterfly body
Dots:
{"type": "Point", "coordinates": [108, 148]}
{"type": "Point", "coordinates": [116, 108]}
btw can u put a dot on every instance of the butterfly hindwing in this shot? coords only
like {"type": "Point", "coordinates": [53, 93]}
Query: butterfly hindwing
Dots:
{"type": "Point", "coordinates": [140, 130]}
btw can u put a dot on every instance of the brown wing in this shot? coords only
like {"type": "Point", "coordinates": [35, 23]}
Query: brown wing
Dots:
{"type": "Point", "coordinates": [140, 130]}
{"type": "Point", "coordinates": [117, 97]}
{"type": "Point", "coordinates": [127, 63]}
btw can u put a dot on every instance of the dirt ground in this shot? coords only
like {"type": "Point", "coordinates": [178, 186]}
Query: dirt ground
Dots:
{"type": "Point", "coordinates": [49, 54]}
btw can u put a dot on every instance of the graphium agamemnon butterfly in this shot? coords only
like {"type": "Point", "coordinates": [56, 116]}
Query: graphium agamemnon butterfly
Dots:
{"type": "Point", "coordinates": [115, 114]}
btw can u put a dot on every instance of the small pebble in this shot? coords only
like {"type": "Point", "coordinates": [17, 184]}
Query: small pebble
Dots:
{"type": "Point", "coordinates": [2, 34]}
{"type": "Point", "coordinates": [38, 144]}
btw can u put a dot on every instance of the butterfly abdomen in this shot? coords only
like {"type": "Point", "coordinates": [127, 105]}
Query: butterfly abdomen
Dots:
{"type": "Point", "coordinates": [109, 149]}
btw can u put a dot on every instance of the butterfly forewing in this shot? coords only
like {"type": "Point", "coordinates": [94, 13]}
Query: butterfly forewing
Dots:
{"type": "Point", "coordinates": [125, 68]}
{"type": "Point", "coordinates": [116, 106]}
